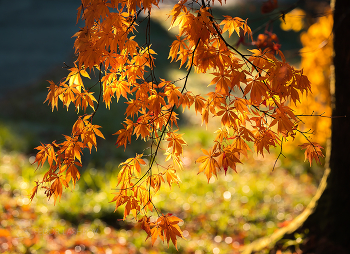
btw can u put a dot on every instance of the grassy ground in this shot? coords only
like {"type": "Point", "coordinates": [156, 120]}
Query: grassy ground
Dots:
{"type": "Point", "coordinates": [219, 217]}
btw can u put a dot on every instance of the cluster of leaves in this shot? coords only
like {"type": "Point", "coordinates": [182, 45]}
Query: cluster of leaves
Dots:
{"type": "Point", "coordinates": [316, 60]}
{"type": "Point", "coordinates": [252, 98]}
{"type": "Point", "coordinates": [64, 157]}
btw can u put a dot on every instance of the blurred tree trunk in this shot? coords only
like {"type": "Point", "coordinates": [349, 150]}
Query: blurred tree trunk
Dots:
{"type": "Point", "coordinates": [331, 218]}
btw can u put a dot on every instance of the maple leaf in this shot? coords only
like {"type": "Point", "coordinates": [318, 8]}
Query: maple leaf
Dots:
{"type": "Point", "coordinates": [258, 91]}
{"type": "Point", "coordinates": [124, 135]}
{"type": "Point", "coordinates": [264, 139]}
{"type": "Point", "coordinates": [187, 99]}
{"type": "Point", "coordinates": [156, 102]}
{"type": "Point", "coordinates": [124, 176]}
{"type": "Point", "coordinates": [155, 233]}
{"type": "Point", "coordinates": [259, 59]}
{"type": "Point", "coordinates": [132, 206]}
{"type": "Point", "coordinates": [156, 181]}
{"type": "Point", "coordinates": [171, 176]}
{"type": "Point", "coordinates": [313, 151]}
{"type": "Point", "coordinates": [176, 142]}
{"type": "Point", "coordinates": [175, 12]}
{"type": "Point", "coordinates": [120, 198]}
{"type": "Point", "coordinates": [285, 124]}
{"type": "Point", "coordinates": [173, 94]}
{"type": "Point", "coordinates": [143, 129]}
{"type": "Point", "coordinates": [46, 152]}
{"type": "Point", "coordinates": [52, 95]}
{"type": "Point", "coordinates": [144, 197]}
{"type": "Point", "coordinates": [205, 116]}
{"type": "Point", "coordinates": [89, 132]}
{"type": "Point", "coordinates": [145, 224]}
{"type": "Point", "coordinates": [134, 164]}
{"type": "Point", "coordinates": [56, 188]}
{"type": "Point", "coordinates": [199, 103]}
{"type": "Point", "coordinates": [72, 148]}
{"type": "Point", "coordinates": [229, 116]}
{"type": "Point", "coordinates": [222, 82]}
{"type": "Point", "coordinates": [241, 105]}
{"type": "Point", "coordinates": [74, 77]}
{"type": "Point", "coordinates": [223, 162]}
{"type": "Point", "coordinates": [167, 229]}
{"type": "Point", "coordinates": [133, 107]}
{"type": "Point", "coordinates": [84, 99]}
{"type": "Point", "coordinates": [232, 24]}
{"type": "Point", "coordinates": [208, 163]}
{"type": "Point", "coordinates": [241, 144]}
{"type": "Point", "coordinates": [68, 94]}
{"type": "Point", "coordinates": [176, 159]}
{"type": "Point", "coordinates": [34, 191]}
{"type": "Point", "coordinates": [229, 158]}
{"type": "Point", "coordinates": [72, 173]}
{"type": "Point", "coordinates": [222, 134]}
{"type": "Point", "coordinates": [178, 47]}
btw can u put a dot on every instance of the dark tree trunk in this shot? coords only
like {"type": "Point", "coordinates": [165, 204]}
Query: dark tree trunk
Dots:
{"type": "Point", "coordinates": [330, 222]}
{"type": "Point", "coordinates": [340, 153]}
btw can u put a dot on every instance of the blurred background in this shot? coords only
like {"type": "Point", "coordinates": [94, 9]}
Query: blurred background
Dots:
{"type": "Point", "coordinates": [219, 217]}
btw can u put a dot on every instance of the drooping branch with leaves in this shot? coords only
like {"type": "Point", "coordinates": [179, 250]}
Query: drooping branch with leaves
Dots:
{"type": "Point", "coordinates": [252, 98]}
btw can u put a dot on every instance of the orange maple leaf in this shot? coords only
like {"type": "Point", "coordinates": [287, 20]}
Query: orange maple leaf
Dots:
{"type": "Point", "coordinates": [208, 163]}
{"type": "Point", "coordinates": [232, 24]}
{"type": "Point", "coordinates": [167, 228]}
{"type": "Point", "coordinates": [313, 151]}
{"type": "Point", "coordinates": [171, 176]}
